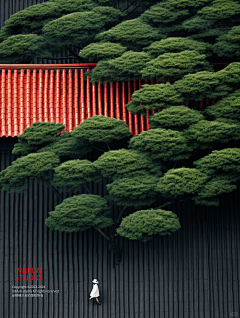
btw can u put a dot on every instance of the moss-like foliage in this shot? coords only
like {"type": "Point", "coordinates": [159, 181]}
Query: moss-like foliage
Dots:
{"type": "Point", "coordinates": [134, 34]}
{"type": "Point", "coordinates": [228, 45]}
{"type": "Point", "coordinates": [225, 162]}
{"type": "Point", "coordinates": [181, 183]}
{"type": "Point", "coordinates": [162, 144]}
{"type": "Point", "coordinates": [210, 192]}
{"type": "Point", "coordinates": [99, 129]}
{"type": "Point", "coordinates": [213, 20]}
{"type": "Point", "coordinates": [122, 68]}
{"type": "Point", "coordinates": [30, 20]}
{"type": "Point", "coordinates": [34, 165]}
{"type": "Point", "coordinates": [175, 65]}
{"type": "Point", "coordinates": [139, 191]}
{"type": "Point", "coordinates": [164, 16]}
{"type": "Point", "coordinates": [95, 52]}
{"type": "Point", "coordinates": [68, 147]}
{"type": "Point", "coordinates": [125, 163]}
{"type": "Point", "coordinates": [175, 45]}
{"type": "Point", "coordinates": [195, 87]}
{"type": "Point", "coordinates": [207, 135]}
{"type": "Point", "coordinates": [142, 225]}
{"type": "Point", "coordinates": [37, 136]}
{"type": "Point", "coordinates": [69, 6]}
{"type": "Point", "coordinates": [154, 97]}
{"type": "Point", "coordinates": [74, 173]}
{"type": "Point", "coordinates": [228, 108]}
{"type": "Point", "coordinates": [79, 213]}
{"type": "Point", "coordinates": [23, 48]}
{"type": "Point", "coordinates": [230, 75]}
{"type": "Point", "coordinates": [78, 27]}
{"type": "Point", "coordinates": [175, 118]}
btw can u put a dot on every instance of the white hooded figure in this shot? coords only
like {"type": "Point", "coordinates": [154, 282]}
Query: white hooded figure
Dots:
{"type": "Point", "coordinates": [95, 291]}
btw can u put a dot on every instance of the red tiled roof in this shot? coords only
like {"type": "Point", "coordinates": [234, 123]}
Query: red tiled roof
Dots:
{"type": "Point", "coordinates": [58, 93]}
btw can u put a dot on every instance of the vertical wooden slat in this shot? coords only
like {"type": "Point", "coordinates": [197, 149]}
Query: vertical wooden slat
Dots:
{"type": "Point", "coordinates": [82, 107]}
{"type": "Point", "coordinates": [3, 111]}
{"type": "Point", "coordinates": [28, 101]}
{"type": "Point", "coordinates": [111, 101]}
{"type": "Point", "coordinates": [22, 114]}
{"type": "Point", "coordinates": [70, 100]}
{"type": "Point", "coordinates": [124, 112]}
{"type": "Point", "coordinates": [57, 96]}
{"type": "Point", "coordinates": [10, 100]}
{"type": "Point", "coordinates": [46, 96]}
{"type": "Point", "coordinates": [76, 95]}
{"type": "Point", "coordinates": [88, 96]}
{"type": "Point", "coordinates": [118, 116]}
{"type": "Point", "coordinates": [94, 103]}
{"type": "Point", "coordinates": [64, 99]}
{"type": "Point", "coordinates": [51, 100]}
{"type": "Point", "coordinates": [15, 111]}
{"type": "Point", "coordinates": [99, 98]}
{"type": "Point", "coordinates": [34, 99]}
{"type": "Point", "coordinates": [40, 98]}
{"type": "Point", "coordinates": [105, 99]}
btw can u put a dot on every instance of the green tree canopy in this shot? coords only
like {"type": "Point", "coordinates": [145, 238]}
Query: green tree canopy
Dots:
{"type": "Point", "coordinates": [124, 163]}
{"type": "Point", "coordinates": [33, 166]}
{"type": "Point", "coordinates": [125, 67]}
{"type": "Point", "coordinates": [154, 97]}
{"type": "Point", "coordinates": [162, 144]}
{"type": "Point", "coordinates": [175, 45]}
{"type": "Point", "coordinates": [95, 52]}
{"type": "Point", "coordinates": [79, 213]}
{"type": "Point", "coordinates": [175, 65]}
{"type": "Point", "coordinates": [175, 118]}
{"type": "Point", "coordinates": [37, 136]}
{"type": "Point", "coordinates": [143, 224]}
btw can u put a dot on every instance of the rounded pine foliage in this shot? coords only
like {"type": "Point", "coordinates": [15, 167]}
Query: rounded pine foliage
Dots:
{"type": "Point", "coordinates": [175, 65]}
{"type": "Point", "coordinates": [69, 6]}
{"type": "Point", "coordinates": [36, 136]}
{"type": "Point", "coordinates": [225, 162]}
{"type": "Point", "coordinates": [78, 28]}
{"type": "Point", "coordinates": [136, 191]}
{"type": "Point", "coordinates": [125, 163]}
{"type": "Point", "coordinates": [209, 193]}
{"type": "Point", "coordinates": [154, 97]}
{"type": "Point", "coordinates": [73, 173]}
{"type": "Point", "coordinates": [175, 118]}
{"type": "Point", "coordinates": [175, 45]}
{"type": "Point", "coordinates": [181, 183]}
{"type": "Point", "coordinates": [134, 34]}
{"type": "Point", "coordinates": [162, 144]}
{"type": "Point", "coordinates": [30, 20]}
{"type": "Point", "coordinates": [228, 45]}
{"type": "Point", "coordinates": [122, 68]}
{"type": "Point", "coordinates": [206, 135]}
{"type": "Point", "coordinates": [34, 165]}
{"type": "Point", "coordinates": [99, 129]}
{"type": "Point", "coordinates": [200, 85]}
{"type": "Point", "coordinates": [68, 147]}
{"type": "Point", "coordinates": [79, 213]}
{"type": "Point", "coordinates": [23, 48]}
{"type": "Point", "coordinates": [142, 225]}
{"type": "Point", "coordinates": [228, 107]}
{"type": "Point", "coordinates": [95, 52]}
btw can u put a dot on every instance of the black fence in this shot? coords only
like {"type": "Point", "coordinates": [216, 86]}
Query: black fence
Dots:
{"type": "Point", "coordinates": [192, 273]}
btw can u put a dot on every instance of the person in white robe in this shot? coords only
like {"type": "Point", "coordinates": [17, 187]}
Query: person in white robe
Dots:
{"type": "Point", "coordinates": [95, 291]}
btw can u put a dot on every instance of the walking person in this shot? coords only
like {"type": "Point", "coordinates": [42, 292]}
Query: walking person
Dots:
{"type": "Point", "coordinates": [95, 291]}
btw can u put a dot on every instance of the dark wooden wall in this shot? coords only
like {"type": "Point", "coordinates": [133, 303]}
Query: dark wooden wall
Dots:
{"type": "Point", "coordinates": [193, 273]}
